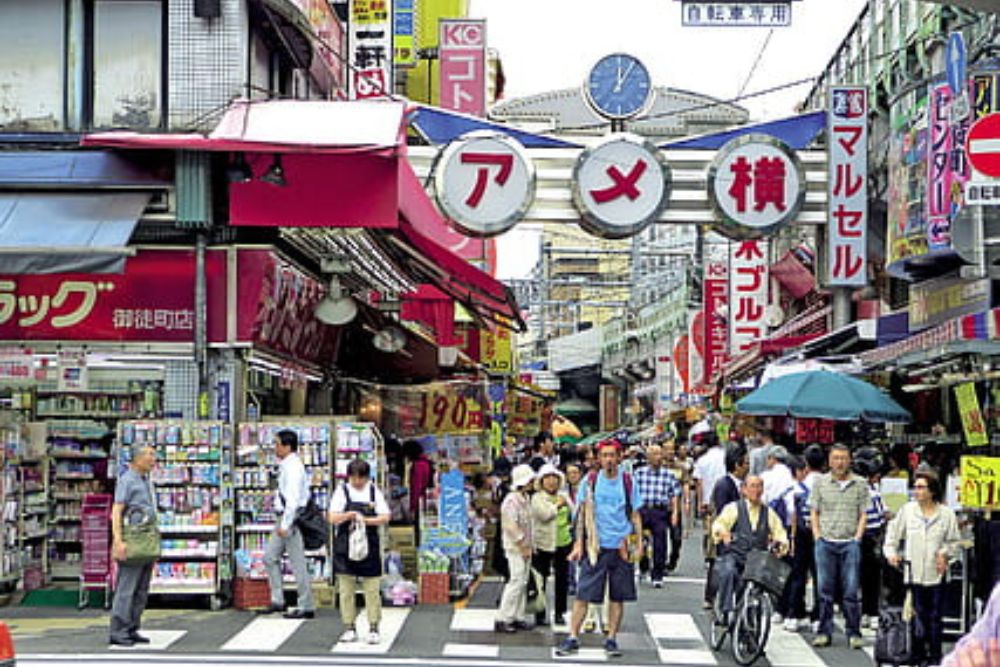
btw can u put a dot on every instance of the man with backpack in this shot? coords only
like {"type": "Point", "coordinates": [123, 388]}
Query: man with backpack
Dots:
{"type": "Point", "coordinates": [608, 535]}
{"type": "Point", "coordinates": [779, 496]}
{"type": "Point", "coordinates": [803, 549]}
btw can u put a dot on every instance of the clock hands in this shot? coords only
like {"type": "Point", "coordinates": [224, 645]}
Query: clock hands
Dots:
{"type": "Point", "coordinates": [622, 77]}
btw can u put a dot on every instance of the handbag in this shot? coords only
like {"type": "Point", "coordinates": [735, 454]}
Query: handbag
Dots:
{"type": "Point", "coordinates": [141, 536]}
{"type": "Point", "coordinates": [357, 544]}
{"type": "Point", "coordinates": [535, 602]}
{"type": "Point", "coordinates": [767, 570]}
{"type": "Point", "coordinates": [313, 526]}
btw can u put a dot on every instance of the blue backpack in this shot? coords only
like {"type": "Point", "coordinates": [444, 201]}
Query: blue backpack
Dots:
{"type": "Point", "coordinates": [779, 507]}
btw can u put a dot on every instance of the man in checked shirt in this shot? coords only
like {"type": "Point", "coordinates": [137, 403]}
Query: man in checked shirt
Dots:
{"type": "Point", "coordinates": [661, 493]}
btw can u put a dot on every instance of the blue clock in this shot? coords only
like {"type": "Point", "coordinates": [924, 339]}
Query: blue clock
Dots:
{"type": "Point", "coordinates": [618, 86]}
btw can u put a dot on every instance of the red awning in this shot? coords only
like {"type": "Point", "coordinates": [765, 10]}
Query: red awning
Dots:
{"type": "Point", "coordinates": [280, 126]}
{"type": "Point", "coordinates": [434, 264]}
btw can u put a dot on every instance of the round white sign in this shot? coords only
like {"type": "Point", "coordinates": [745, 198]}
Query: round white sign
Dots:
{"type": "Point", "coordinates": [756, 185]}
{"type": "Point", "coordinates": [484, 182]}
{"type": "Point", "coordinates": [620, 186]}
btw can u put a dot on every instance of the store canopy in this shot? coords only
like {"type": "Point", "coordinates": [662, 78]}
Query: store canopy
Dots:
{"type": "Point", "coordinates": [279, 126]}
{"type": "Point", "coordinates": [799, 132]}
{"type": "Point", "coordinates": [67, 170]}
{"type": "Point", "coordinates": [58, 232]}
{"type": "Point", "coordinates": [575, 406]}
{"type": "Point", "coordinates": [431, 263]}
{"type": "Point", "coordinates": [822, 394]}
{"type": "Point", "coordinates": [440, 126]}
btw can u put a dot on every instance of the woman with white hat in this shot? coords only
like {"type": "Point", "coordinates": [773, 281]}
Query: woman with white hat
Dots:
{"type": "Point", "coordinates": [550, 509]}
{"type": "Point", "coordinates": [515, 523]}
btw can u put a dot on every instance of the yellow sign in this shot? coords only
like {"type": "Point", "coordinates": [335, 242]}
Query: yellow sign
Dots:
{"type": "Point", "coordinates": [980, 482]}
{"type": "Point", "coordinates": [972, 417]}
{"type": "Point", "coordinates": [449, 408]}
{"type": "Point", "coordinates": [496, 350]}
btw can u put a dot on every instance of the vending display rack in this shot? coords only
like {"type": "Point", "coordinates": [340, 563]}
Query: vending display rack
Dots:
{"type": "Point", "coordinates": [78, 451]}
{"type": "Point", "coordinates": [10, 503]}
{"type": "Point", "coordinates": [192, 484]}
{"type": "Point", "coordinates": [256, 476]}
{"type": "Point", "coordinates": [36, 543]}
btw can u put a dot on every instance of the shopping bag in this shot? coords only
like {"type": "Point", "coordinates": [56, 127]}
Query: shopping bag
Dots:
{"type": "Point", "coordinates": [141, 536]}
{"type": "Point", "coordinates": [536, 602]}
{"type": "Point", "coordinates": [312, 524]}
{"type": "Point", "coordinates": [357, 545]}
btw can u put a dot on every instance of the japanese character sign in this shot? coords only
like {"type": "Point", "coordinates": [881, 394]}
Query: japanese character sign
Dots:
{"type": "Point", "coordinates": [369, 49]}
{"type": "Point", "coordinates": [948, 169]}
{"type": "Point", "coordinates": [756, 185]}
{"type": "Point", "coordinates": [716, 300]}
{"type": "Point", "coordinates": [771, 14]}
{"type": "Point", "coordinates": [847, 195]}
{"type": "Point", "coordinates": [484, 182]}
{"type": "Point", "coordinates": [748, 292]}
{"type": "Point", "coordinates": [620, 186]}
{"type": "Point", "coordinates": [463, 65]}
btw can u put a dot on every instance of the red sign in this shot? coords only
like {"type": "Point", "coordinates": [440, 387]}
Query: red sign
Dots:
{"type": "Point", "coordinates": [808, 431]}
{"type": "Point", "coordinates": [463, 65]}
{"type": "Point", "coordinates": [716, 300]}
{"type": "Point", "coordinates": [748, 294]}
{"type": "Point", "coordinates": [152, 301]}
{"type": "Point", "coordinates": [983, 145]}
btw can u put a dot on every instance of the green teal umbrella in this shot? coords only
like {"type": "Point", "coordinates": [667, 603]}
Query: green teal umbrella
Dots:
{"type": "Point", "coordinates": [822, 394]}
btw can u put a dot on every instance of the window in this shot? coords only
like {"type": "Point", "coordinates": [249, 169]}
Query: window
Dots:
{"type": "Point", "coordinates": [32, 50]}
{"type": "Point", "coordinates": [128, 63]}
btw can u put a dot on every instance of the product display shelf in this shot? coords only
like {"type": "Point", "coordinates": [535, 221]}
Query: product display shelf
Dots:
{"type": "Point", "coordinates": [34, 539]}
{"type": "Point", "coordinates": [256, 479]}
{"type": "Point", "coordinates": [108, 395]}
{"type": "Point", "coordinates": [78, 452]}
{"type": "Point", "coordinates": [10, 504]}
{"type": "Point", "coordinates": [361, 440]}
{"type": "Point", "coordinates": [192, 484]}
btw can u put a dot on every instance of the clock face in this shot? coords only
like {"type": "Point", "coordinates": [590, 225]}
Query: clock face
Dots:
{"type": "Point", "coordinates": [618, 86]}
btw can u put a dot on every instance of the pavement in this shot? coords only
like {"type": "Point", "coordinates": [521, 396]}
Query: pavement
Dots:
{"type": "Point", "coordinates": [665, 627]}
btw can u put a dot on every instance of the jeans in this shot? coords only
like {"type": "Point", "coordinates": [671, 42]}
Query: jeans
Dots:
{"type": "Point", "coordinates": [803, 566]}
{"type": "Point", "coordinates": [130, 599]}
{"type": "Point", "coordinates": [839, 566]}
{"type": "Point", "coordinates": [927, 604]}
{"type": "Point", "coordinates": [656, 520]}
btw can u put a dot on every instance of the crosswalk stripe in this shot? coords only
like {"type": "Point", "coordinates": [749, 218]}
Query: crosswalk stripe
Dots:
{"type": "Point", "coordinates": [790, 649]}
{"type": "Point", "coordinates": [388, 629]}
{"type": "Point", "coordinates": [471, 651]}
{"type": "Point", "coordinates": [679, 632]}
{"type": "Point", "coordinates": [473, 620]}
{"type": "Point", "coordinates": [159, 640]}
{"type": "Point", "coordinates": [263, 634]}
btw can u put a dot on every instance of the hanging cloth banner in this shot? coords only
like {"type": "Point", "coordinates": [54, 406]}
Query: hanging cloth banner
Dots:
{"type": "Point", "coordinates": [972, 417]}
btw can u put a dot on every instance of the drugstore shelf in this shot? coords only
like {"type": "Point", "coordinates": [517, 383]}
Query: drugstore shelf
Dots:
{"type": "Point", "coordinates": [188, 553]}
{"type": "Point", "coordinates": [195, 587]}
{"type": "Point", "coordinates": [78, 455]}
{"type": "Point", "coordinates": [180, 530]}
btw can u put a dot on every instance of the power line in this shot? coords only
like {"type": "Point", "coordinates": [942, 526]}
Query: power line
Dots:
{"type": "Point", "coordinates": [756, 62]}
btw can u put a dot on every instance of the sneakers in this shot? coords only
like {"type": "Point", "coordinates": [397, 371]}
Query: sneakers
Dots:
{"type": "Point", "coordinates": [856, 642]}
{"type": "Point", "coordinates": [559, 620]}
{"type": "Point", "coordinates": [569, 646]}
{"type": "Point", "coordinates": [504, 627]}
{"type": "Point", "coordinates": [590, 626]}
{"type": "Point", "coordinates": [611, 648]}
{"type": "Point", "coordinates": [373, 637]}
{"type": "Point", "coordinates": [873, 623]}
{"type": "Point", "coordinates": [814, 626]}
{"type": "Point", "coordinates": [657, 583]}
{"type": "Point", "coordinates": [350, 635]}
{"type": "Point", "coordinates": [777, 619]}
{"type": "Point", "coordinates": [821, 641]}
{"type": "Point", "coordinates": [791, 625]}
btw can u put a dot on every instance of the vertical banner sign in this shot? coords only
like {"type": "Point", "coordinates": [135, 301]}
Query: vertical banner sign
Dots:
{"type": "Point", "coordinates": [983, 96]}
{"type": "Point", "coordinates": [972, 417]}
{"type": "Point", "coordinates": [403, 30]}
{"type": "Point", "coordinates": [463, 65]}
{"type": "Point", "coordinates": [947, 167]}
{"type": "Point", "coordinates": [369, 49]}
{"type": "Point", "coordinates": [748, 290]}
{"type": "Point", "coordinates": [696, 349]}
{"type": "Point", "coordinates": [453, 508]}
{"type": "Point", "coordinates": [716, 300]}
{"type": "Point", "coordinates": [847, 146]}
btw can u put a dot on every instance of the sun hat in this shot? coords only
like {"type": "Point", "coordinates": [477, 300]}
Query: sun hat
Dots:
{"type": "Point", "coordinates": [522, 476]}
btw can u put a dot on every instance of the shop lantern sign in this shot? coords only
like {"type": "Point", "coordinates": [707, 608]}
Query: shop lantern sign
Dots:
{"type": "Point", "coordinates": [484, 182]}
{"type": "Point", "coordinates": [369, 49]}
{"type": "Point", "coordinates": [620, 186]}
{"type": "Point", "coordinates": [747, 294]}
{"type": "Point", "coordinates": [847, 129]}
{"type": "Point", "coordinates": [756, 186]}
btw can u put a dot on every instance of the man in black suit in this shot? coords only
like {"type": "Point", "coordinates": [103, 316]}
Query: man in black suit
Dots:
{"type": "Point", "coordinates": [727, 490]}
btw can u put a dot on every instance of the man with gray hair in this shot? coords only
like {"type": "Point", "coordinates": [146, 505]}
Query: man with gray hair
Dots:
{"type": "Point", "coordinates": [133, 503]}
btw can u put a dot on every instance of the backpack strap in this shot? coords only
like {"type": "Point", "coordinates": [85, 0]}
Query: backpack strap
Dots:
{"type": "Point", "coordinates": [371, 489]}
{"type": "Point", "coordinates": [626, 482]}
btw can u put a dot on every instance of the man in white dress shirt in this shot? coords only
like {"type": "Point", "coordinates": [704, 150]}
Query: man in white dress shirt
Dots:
{"type": "Point", "coordinates": [292, 495]}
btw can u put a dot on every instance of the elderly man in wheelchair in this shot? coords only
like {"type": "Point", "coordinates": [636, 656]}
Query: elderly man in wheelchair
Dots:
{"type": "Point", "coordinates": [743, 526]}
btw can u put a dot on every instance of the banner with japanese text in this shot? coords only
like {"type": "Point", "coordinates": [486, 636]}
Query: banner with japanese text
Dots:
{"type": "Point", "coordinates": [948, 169]}
{"type": "Point", "coordinates": [431, 409]}
{"type": "Point", "coordinates": [980, 485]}
{"type": "Point", "coordinates": [496, 350]}
{"type": "Point", "coordinates": [463, 65]}
{"type": "Point", "coordinates": [748, 294]}
{"type": "Point", "coordinates": [716, 303]}
{"type": "Point", "coordinates": [847, 150]}
{"type": "Point", "coordinates": [972, 417]}
{"type": "Point", "coordinates": [369, 49]}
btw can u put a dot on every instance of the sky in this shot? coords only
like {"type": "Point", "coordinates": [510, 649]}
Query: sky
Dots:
{"type": "Point", "coordinates": [551, 44]}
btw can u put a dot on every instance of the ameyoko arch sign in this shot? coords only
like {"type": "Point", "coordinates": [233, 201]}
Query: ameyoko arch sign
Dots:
{"type": "Point", "coordinates": [485, 183]}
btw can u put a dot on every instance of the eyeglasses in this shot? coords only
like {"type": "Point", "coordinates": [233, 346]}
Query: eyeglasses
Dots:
{"type": "Point", "coordinates": [919, 486]}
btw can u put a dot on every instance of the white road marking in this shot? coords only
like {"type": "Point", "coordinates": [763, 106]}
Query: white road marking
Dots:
{"type": "Point", "coordinates": [584, 654]}
{"type": "Point", "coordinates": [790, 649]}
{"type": "Point", "coordinates": [473, 620]}
{"type": "Point", "coordinates": [388, 629]}
{"type": "Point", "coordinates": [159, 640]}
{"type": "Point", "coordinates": [471, 651]}
{"type": "Point", "coordinates": [682, 629]}
{"type": "Point", "coordinates": [263, 634]}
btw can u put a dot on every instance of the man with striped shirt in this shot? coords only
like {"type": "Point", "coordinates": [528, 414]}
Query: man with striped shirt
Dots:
{"type": "Point", "coordinates": [661, 493]}
{"type": "Point", "coordinates": [871, 544]}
